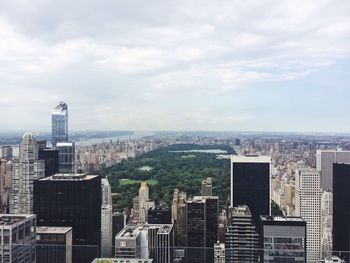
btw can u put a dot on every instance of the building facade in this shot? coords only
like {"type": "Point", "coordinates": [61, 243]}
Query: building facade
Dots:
{"type": "Point", "coordinates": [283, 239]}
{"type": "Point", "coordinates": [106, 219]}
{"type": "Point", "coordinates": [324, 164]}
{"type": "Point", "coordinates": [159, 215]}
{"type": "Point", "coordinates": [60, 124]}
{"type": "Point", "coordinates": [308, 206]}
{"type": "Point", "coordinates": [207, 187]}
{"type": "Point", "coordinates": [201, 228]}
{"type": "Point", "coordinates": [72, 200]}
{"type": "Point", "coordinates": [242, 239]}
{"type": "Point", "coordinates": [179, 217]}
{"type": "Point", "coordinates": [26, 169]}
{"type": "Point", "coordinates": [250, 184]}
{"type": "Point", "coordinates": [17, 233]}
{"type": "Point", "coordinates": [53, 244]}
{"type": "Point", "coordinates": [50, 157]}
{"type": "Point", "coordinates": [341, 211]}
{"type": "Point", "coordinates": [66, 157]}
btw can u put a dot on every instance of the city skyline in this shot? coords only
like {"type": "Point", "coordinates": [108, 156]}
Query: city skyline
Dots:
{"type": "Point", "coordinates": [233, 66]}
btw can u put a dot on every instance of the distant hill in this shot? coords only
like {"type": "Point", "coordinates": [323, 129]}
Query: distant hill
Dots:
{"type": "Point", "coordinates": [169, 168]}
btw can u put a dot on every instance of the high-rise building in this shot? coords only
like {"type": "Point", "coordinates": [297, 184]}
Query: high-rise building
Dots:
{"type": "Point", "coordinates": [159, 215]}
{"type": "Point", "coordinates": [207, 187]}
{"type": "Point", "coordinates": [178, 210]}
{"type": "Point", "coordinates": [5, 184]}
{"type": "Point", "coordinates": [50, 157]}
{"type": "Point", "coordinates": [341, 210]}
{"type": "Point", "coordinates": [332, 259]}
{"type": "Point", "coordinates": [17, 235]}
{"type": "Point", "coordinates": [283, 239]}
{"type": "Point", "coordinates": [250, 184]}
{"type": "Point", "coordinates": [326, 224]}
{"type": "Point", "coordinates": [202, 228]}
{"type": "Point", "coordinates": [324, 164]}
{"type": "Point", "coordinates": [25, 170]}
{"type": "Point", "coordinates": [308, 206]}
{"type": "Point", "coordinates": [6, 153]}
{"type": "Point", "coordinates": [118, 223]}
{"type": "Point", "coordinates": [142, 203]}
{"type": "Point", "coordinates": [53, 244]}
{"type": "Point", "coordinates": [106, 219]}
{"type": "Point", "coordinates": [242, 239]}
{"type": "Point", "coordinates": [73, 200]}
{"type": "Point", "coordinates": [122, 260]}
{"type": "Point", "coordinates": [66, 157]}
{"type": "Point", "coordinates": [219, 252]}
{"type": "Point", "coordinates": [60, 124]}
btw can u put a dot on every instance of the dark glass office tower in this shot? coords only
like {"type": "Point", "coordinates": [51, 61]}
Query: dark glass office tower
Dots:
{"type": "Point", "coordinates": [159, 215]}
{"type": "Point", "coordinates": [250, 184]}
{"type": "Point", "coordinates": [50, 156]}
{"type": "Point", "coordinates": [72, 201]}
{"type": "Point", "coordinates": [202, 228]}
{"type": "Point", "coordinates": [341, 210]}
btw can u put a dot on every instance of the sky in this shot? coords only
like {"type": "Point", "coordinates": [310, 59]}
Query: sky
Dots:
{"type": "Point", "coordinates": [227, 65]}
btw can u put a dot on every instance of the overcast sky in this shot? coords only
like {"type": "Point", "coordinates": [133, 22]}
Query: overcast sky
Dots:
{"type": "Point", "coordinates": [176, 65]}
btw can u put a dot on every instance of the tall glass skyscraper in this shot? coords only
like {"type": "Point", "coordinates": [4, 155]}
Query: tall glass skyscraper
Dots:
{"type": "Point", "coordinates": [60, 124]}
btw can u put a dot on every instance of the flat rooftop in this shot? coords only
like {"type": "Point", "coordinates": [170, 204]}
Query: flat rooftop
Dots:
{"type": "Point", "coordinates": [68, 177]}
{"type": "Point", "coordinates": [250, 159]}
{"type": "Point", "coordinates": [52, 230]}
{"type": "Point", "coordinates": [8, 220]}
{"type": "Point", "coordinates": [281, 219]}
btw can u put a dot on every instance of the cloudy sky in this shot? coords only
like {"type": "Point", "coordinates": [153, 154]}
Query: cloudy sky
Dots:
{"type": "Point", "coordinates": [176, 65]}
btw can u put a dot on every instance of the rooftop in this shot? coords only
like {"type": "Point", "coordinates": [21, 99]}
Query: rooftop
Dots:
{"type": "Point", "coordinates": [281, 219]}
{"type": "Point", "coordinates": [52, 230]}
{"type": "Point", "coordinates": [8, 220]}
{"type": "Point", "coordinates": [250, 159]}
{"type": "Point", "coordinates": [68, 177]}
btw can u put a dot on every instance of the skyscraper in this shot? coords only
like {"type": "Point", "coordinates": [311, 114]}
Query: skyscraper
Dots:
{"type": "Point", "coordinates": [50, 157]}
{"type": "Point", "coordinates": [142, 203]}
{"type": "Point", "coordinates": [25, 170]}
{"type": "Point", "coordinates": [72, 201]}
{"type": "Point", "coordinates": [250, 184]}
{"type": "Point", "coordinates": [341, 210]}
{"type": "Point", "coordinates": [178, 211]}
{"type": "Point", "coordinates": [202, 228]}
{"type": "Point", "coordinates": [324, 164]}
{"type": "Point", "coordinates": [308, 206]}
{"type": "Point", "coordinates": [106, 219]}
{"type": "Point", "coordinates": [207, 187]}
{"type": "Point", "coordinates": [60, 124]}
{"type": "Point", "coordinates": [283, 239]}
{"type": "Point", "coordinates": [118, 223]}
{"type": "Point", "coordinates": [159, 215]}
{"type": "Point", "coordinates": [6, 152]}
{"type": "Point", "coordinates": [242, 240]}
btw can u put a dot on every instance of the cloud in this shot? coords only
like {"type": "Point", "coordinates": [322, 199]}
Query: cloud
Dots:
{"type": "Point", "coordinates": [112, 54]}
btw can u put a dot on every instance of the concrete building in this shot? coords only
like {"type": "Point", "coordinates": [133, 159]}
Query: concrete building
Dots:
{"type": "Point", "coordinates": [106, 219]}
{"type": "Point", "coordinates": [6, 152]}
{"type": "Point", "coordinates": [179, 217]}
{"type": "Point", "coordinates": [17, 233]}
{"type": "Point", "coordinates": [142, 204]}
{"type": "Point", "coordinates": [242, 240]}
{"type": "Point", "coordinates": [207, 187]}
{"type": "Point", "coordinates": [308, 206]}
{"type": "Point", "coordinates": [219, 252]}
{"type": "Point", "coordinates": [324, 164]}
{"type": "Point", "coordinates": [25, 170]}
{"type": "Point", "coordinates": [326, 224]}
{"type": "Point", "coordinates": [283, 239]}
{"type": "Point", "coordinates": [146, 241]}
{"type": "Point", "coordinates": [54, 244]}
{"type": "Point", "coordinates": [59, 124]}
